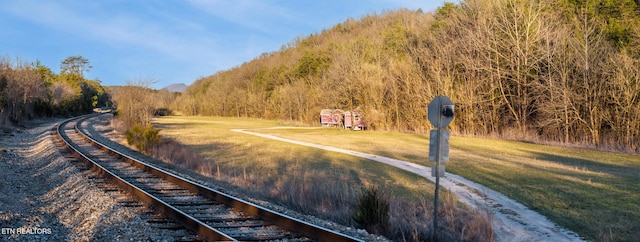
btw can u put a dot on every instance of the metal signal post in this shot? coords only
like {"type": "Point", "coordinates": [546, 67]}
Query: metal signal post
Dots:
{"type": "Point", "coordinates": [440, 114]}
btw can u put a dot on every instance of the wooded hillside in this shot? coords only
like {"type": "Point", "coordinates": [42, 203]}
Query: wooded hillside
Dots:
{"type": "Point", "coordinates": [30, 90]}
{"type": "Point", "coordinates": [554, 70]}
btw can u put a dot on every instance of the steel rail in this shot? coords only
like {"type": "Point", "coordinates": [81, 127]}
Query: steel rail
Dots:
{"type": "Point", "coordinates": [284, 221]}
{"type": "Point", "coordinates": [166, 209]}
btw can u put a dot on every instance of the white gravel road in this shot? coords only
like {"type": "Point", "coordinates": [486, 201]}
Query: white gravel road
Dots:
{"type": "Point", "coordinates": [512, 221]}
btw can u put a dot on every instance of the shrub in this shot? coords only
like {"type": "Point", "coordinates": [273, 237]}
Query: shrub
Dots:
{"type": "Point", "coordinates": [143, 139]}
{"type": "Point", "coordinates": [372, 212]}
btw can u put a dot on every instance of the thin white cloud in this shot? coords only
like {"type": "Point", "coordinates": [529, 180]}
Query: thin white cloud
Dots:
{"type": "Point", "coordinates": [114, 29]}
{"type": "Point", "coordinates": [45, 13]}
{"type": "Point", "coordinates": [258, 15]}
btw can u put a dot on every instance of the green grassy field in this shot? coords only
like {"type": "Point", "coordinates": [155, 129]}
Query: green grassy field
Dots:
{"type": "Point", "coordinates": [594, 193]}
{"type": "Point", "coordinates": [258, 156]}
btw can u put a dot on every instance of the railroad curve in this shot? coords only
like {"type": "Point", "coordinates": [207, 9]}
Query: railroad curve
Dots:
{"type": "Point", "coordinates": [212, 214]}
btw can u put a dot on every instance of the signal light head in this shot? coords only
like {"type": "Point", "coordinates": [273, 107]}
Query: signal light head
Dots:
{"type": "Point", "coordinates": [447, 111]}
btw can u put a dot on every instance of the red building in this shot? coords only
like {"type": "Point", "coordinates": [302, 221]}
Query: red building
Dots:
{"type": "Point", "coordinates": [337, 117]}
{"type": "Point", "coordinates": [331, 117]}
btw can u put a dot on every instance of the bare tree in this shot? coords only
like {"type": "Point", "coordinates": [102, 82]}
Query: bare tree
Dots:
{"type": "Point", "coordinates": [589, 46]}
{"type": "Point", "coordinates": [22, 88]}
{"type": "Point", "coordinates": [76, 65]}
{"type": "Point", "coordinates": [625, 101]}
{"type": "Point", "coordinates": [135, 102]}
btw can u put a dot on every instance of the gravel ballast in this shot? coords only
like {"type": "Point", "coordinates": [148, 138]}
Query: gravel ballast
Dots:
{"type": "Point", "coordinates": [47, 197]}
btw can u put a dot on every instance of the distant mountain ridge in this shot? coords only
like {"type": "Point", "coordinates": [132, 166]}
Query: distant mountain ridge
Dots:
{"type": "Point", "coordinates": [178, 87]}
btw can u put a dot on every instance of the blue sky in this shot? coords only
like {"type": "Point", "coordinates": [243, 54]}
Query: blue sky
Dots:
{"type": "Point", "coordinates": [169, 41]}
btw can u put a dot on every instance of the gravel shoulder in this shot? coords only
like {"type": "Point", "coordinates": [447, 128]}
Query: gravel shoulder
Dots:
{"type": "Point", "coordinates": [46, 197]}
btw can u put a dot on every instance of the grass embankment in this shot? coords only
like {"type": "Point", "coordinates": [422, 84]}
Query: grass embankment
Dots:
{"type": "Point", "coordinates": [594, 193]}
{"type": "Point", "coordinates": [319, 182]}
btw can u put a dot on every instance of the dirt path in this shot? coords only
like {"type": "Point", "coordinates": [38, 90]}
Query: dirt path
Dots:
{"type": "Point", "coordinates": [512, 221]}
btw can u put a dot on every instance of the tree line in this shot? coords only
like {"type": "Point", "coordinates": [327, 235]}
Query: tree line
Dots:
{"type": "Point", "coordinates": [564, 71]}
{"type": "Point", "coordinates": [32, 90]}
{"type": "Point", "coordinates": [137, 103]}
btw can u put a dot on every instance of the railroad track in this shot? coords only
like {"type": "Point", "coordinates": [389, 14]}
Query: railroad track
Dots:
{"type": "Point", "coordinates": [211, 214]}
